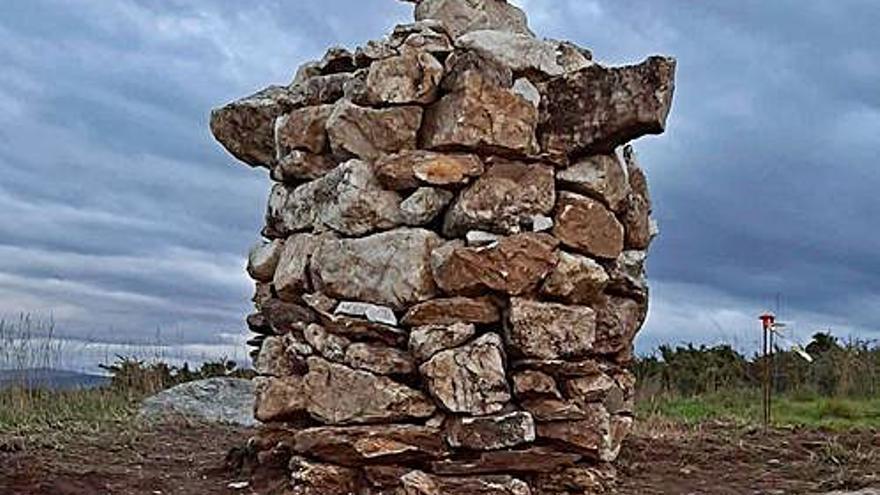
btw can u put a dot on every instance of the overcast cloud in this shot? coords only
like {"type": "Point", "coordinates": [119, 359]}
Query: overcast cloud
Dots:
{"type": "Point", "coordinates": [123, 220]}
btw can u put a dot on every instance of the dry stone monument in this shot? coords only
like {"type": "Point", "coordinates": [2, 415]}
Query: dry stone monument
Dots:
{"type": "Point", "coordinates": [453, 267]}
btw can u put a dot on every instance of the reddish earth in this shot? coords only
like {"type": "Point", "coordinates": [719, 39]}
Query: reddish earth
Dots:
{"type": "Point", "coordinates": [194, 459]}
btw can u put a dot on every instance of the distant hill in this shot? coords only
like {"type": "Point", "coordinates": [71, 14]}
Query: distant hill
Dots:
{"type": "Point", "coordinates": [51, 379]}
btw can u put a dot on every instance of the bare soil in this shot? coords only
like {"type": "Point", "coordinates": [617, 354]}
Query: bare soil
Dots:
{"type": "Point", "coordinates": [179, 458]}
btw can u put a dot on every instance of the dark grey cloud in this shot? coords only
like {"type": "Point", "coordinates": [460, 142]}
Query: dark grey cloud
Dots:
{"type": "Point", "coordinates": [119, 215]}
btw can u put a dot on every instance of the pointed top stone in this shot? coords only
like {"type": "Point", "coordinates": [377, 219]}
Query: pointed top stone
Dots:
{"type": "Point", "coordinates": [464, 16]}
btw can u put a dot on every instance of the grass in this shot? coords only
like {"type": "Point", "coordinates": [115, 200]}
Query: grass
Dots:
{"type": "Point", "coordinates": [28, 412]}
{"type": "Point", "coordinates": [744, 407]}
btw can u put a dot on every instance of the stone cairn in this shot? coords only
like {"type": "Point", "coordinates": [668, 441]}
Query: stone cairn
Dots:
{"type": "Point", "coordinates": [454, 267]}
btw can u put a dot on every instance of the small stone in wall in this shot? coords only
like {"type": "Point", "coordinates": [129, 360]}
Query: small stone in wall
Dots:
{"type": "Point", "coordinates": [469, 379]}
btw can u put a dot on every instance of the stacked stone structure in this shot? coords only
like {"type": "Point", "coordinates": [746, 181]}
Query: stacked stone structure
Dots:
{"type": "Point", "coordinates": [453, 270]}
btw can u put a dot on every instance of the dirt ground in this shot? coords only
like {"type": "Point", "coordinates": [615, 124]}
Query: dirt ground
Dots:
{"type": "Point", "coordinates": [193, 459]}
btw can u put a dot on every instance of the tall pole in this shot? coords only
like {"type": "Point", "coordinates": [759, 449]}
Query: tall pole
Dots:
{"type": "Point", "coordinates": [767, 322]}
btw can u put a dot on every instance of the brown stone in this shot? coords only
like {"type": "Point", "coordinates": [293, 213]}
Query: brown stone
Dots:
{"type": "Point", "coordinates": [420, 483]}
{"type": "Point", "coordinates": [601, 177]}
{"type": "Point", "coordinates": [452, 310]}
{"type": "Point", "coordinates": [503, 199]}
{"type": "Point", "coordinates": [275, 359]}
{"type": "Point", "coordinates": [303, 129]}
{"type": "Point", "coordinates": [490, 432]}
{"type": "Point", "coordinates": [617, 322]}
{"type": "Point", "coordinates": [291, 278]}
{"type": "Point", "coordinates": [550, 331]}
{"type": "Point", "coordinates": [637, 213]}
{"type": "Point", "coordinates": [587, 226]}
{"type": "Point", "coordinates": [577, 480]}
{"type": "Point", "coordinates": [515, 265]}
{"type": "Point", "coordinates": [319, 90]}
{"type": "Point", "coordinates": [555, 409]}
{"type": "Point", "coordinates": [463, 17]}
{"type": "Point", "coordinates": [311, 478]}
{"type": "Point", "coordinates": [426, 341]}
{"type": "Point", "coordinates": [358, 445]}
{"type": "Point", "coordinates": [286, 317]}
{"type": "Point", "coordinates": [471, 67]}
{"type": "Point", "coordinates": [558, 368]}
{"type": "Point", "coordinates": [410, 169]}
{"type": "Point", "coordinates": [469, 379]}
{"type": "Point", "coordinates": [246, 128]}
{"type": "Point", "coordinates": [279, 399]}
{"type": "Point", "coordinates": [424, 205]}
{"type": "Point", "coordinates": [379, 359]}
{"type": "Point", "coordinates": [530, 384]}
{"type": "Point", "coordinates": [412, 77]}
{"type": "Point", "coordinates": [597, 109]}
{"type": "Point", "coordinates": [484, 117]}
{"type": "Point", "coordinates": [391, 269]}
{"type": "Point", "coordinates": [588, 437]}
{"type": "Point", "coordinates": [576, 280]}
{"type": "Point", "coordinates": [302, 165]}
{"type": "Point", "coordinates": [369, 133]}
{"type": "Point", "coordinates": [338, 395]}
{"type": "Point", "coordinates": [533, 460]}
{"type": "Point", "coordinates": [593, 388]}
{"type": "Point", "coordinates": [327, 344]}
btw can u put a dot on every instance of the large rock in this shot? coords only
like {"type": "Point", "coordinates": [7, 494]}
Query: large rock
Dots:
{"type": "Point", "coordinates": [369, 133]}
{"type": "Point", "coordinates": [587, 226]}
{"type": "Point", "coordinates": [339, 395]}
{"type": "Point", "coordinates": [515, 265]}
{"type": "Point", "coordinates": [576, 279]}
{"type": "Point", "coordinates": [348, 200]}
{"type": "Point", "coordinates": [246, 128]}
{"type": "Point", "coordinates": [217, 400]}
{"type": "Point", "coordinates": [278, 356]}
{"type": "Point", "coordinates": [426, 341]}
{"type": "Point", "coordinates": [463, 17]}
{"type": "Point", "coordinates": [524, 54]}
{"type": "Point", "coordinates": [263, 259]}
{"type": "Point", "coordinates": [597, 109]}
{"type": "Point", "coordinates": [285, 317]}
{"type": "Point", "coordinates": [410, 169]}
{"type": "Point", "coordinates": [392, 269]}
{"type": "Point", "coordinates": [303, 129]}
{"type": "Point", "coordinates": [358, 445]}
{"type": "Point", "coordinates": [490, 432]}
{"type": "Point", "coordinates": [420, 483]}
{"type": "Point", "coordinates": [469, 379]}
{"type": "Point", "coordinates": [601, 177]}
{"type": "Point", "coordinates": [504, 199]}
{"type": "Point", "coordinates": [412, 77]}
{"type": "Point", "coordinates": [484, 117]}
{"type": "Point", "coordinates": [550, 331]}
{"type": "Point", "coordinates": [452, 310]}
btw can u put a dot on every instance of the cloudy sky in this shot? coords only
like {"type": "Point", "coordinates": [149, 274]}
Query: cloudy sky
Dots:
{"type": "Point", "coordinates": [122, 220]}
